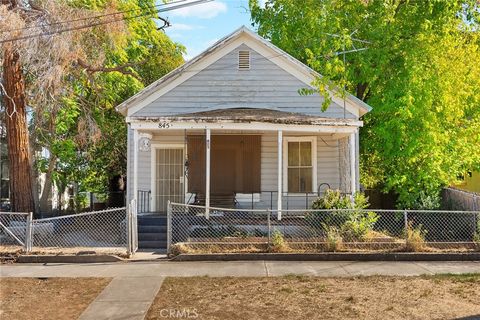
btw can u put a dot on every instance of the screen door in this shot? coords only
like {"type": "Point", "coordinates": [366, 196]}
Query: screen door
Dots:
{"type": "Point", "coordinates": [169, 178]}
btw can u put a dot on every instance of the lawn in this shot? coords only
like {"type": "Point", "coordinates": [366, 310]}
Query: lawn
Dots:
{"type": "Point", "coordinates": [301, 297]}
{"type": "Point", "coordinates": [47, 298]}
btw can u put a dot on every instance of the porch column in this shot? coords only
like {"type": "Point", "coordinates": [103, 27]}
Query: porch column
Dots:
{"type": "Point", "coordinates": [135, 165]}
{"type": "Point", "coordinates": [280, 177]}
{"type": "Point", "coordinates": [207, 173]}
{"type": "Point", "coordinates": [353, 161]}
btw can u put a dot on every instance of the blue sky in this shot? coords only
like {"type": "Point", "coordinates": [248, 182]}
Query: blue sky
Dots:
{"type": "Point", "coordinates": [198, 27]}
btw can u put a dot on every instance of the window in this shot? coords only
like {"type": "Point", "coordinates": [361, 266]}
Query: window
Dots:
{"type": "Point", "coordinates": [299, 164]}
{"type": "Point", "coordinates": [243, 60]}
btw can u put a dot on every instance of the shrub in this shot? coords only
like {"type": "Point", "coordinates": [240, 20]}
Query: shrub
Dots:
{"type": "Point", "coordinates": [426, 201]}
{"type": "Point", "coordinates": [278, 242]}
{"type": "Point", "coordinates": [359, 225]}
{"type": "Point", "coordinates": [415, 238]}
{"type": "Point", "coordinates": [334, 241]}
{"type": "Point", "coordinates": [353, 223]}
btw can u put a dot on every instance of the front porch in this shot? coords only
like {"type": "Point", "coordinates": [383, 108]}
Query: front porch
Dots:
{"type": "Point", "coordinates": [241, 158]}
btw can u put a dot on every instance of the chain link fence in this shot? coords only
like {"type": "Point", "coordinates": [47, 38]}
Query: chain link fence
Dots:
{"type": "Point", "coordinates": [194, 229]}
{"type": "Point", "coordinates": [14, 228]}
{"type": "Point", "coordinates": [106, 231]}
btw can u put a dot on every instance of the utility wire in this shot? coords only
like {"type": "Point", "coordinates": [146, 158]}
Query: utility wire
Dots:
{"type": "Point", "coordinates": [96, 17]}
{"type": "Point", "coordinates": [188, 4]}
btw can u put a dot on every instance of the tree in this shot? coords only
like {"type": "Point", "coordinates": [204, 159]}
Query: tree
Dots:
{"type": "Point", "coordinates": [420, 72]}
{"type": "Point", "coordinates": [81, 75]}
{"type": "Point", "coordinates": [89, 144]}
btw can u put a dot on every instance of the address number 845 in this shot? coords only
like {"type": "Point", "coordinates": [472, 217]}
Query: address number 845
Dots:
{"type": "Point", "coordinates": [164, 125]}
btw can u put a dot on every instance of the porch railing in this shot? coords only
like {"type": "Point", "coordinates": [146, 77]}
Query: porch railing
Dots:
{"type": "Point", "coordinates": [143, 201]}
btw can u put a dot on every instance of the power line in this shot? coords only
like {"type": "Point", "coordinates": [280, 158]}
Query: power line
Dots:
{"type": "Point", "coordinates": [188, 4]}
{"type": "Point", "coordinates": [95, 17]}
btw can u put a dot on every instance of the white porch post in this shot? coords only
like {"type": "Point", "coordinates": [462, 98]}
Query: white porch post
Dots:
{"type": "Point", "coordinates": [353, 169]}
{"type": "Point", "coordinates": [280, 177]}
{"type": "Point", "coordinates": [207, 173]}
{"type": "Point", "coordinates": [135, 165]}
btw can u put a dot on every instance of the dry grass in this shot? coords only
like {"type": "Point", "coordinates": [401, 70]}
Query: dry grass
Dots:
{"type": "Point", "coordinates": [47, 298]}
{"type": "Point", "coordinates": [415, 239]}
{"type": "Point", "coordinates": [300, 297]}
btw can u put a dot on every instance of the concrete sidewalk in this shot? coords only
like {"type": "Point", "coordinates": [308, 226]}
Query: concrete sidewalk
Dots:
{"type": "Point", "coordinates": [237, 269]}
{"type": "Point", "coordinates": [124, 298]}
{"type": "Point", "coordinates": [135, 285]}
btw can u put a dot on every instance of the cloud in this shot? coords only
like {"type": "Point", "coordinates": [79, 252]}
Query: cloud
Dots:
{"type": "Point", "coordinates": [262, 3]}
{"type": "Point", "coordinates": [206, 10]}
{"type": "Point", "coordinates": [184, 27]}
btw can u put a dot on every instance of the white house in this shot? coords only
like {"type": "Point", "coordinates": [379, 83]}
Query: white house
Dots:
{"type": "Point", "coordinates": [229, 128]}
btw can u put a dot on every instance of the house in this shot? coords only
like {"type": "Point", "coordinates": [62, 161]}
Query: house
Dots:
{"type": "Point", "coordinates": [470, 182]}
{"type": "Point", "coordinates": [230, 129]}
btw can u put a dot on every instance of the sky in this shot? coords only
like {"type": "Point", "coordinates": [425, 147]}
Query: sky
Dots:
{"type": "Point", "coordinates": [198, 27]}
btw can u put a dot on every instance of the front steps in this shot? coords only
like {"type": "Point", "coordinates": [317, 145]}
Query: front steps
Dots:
{"type": "Point", "coordinates": [152, 232]}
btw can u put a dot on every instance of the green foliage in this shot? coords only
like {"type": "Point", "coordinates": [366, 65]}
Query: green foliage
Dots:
{"type": "Point", "coordinates": [420, 72]}
{"type": "Point", "coordinates": [357, 227]}
{"type": "Point", "coordinates": [278, 243]}
{"type": "Point", "coordinates": [333, 238]}
{"type": "Point", "coordinates": [353, 223]}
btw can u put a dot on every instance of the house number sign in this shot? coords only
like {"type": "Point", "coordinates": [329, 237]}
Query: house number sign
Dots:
{"type": "Point", "coordinates": [164, 125]}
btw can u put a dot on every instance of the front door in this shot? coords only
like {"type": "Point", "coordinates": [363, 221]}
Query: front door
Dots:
{"type": "Point", "coordinates": [169, 179]}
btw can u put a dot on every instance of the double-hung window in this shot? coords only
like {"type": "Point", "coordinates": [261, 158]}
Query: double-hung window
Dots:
{"type": "Point", "coordinates": [299, 164]}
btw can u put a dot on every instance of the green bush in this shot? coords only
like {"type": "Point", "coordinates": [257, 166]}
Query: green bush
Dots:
{"type": "Point", "coordinates": [333, 238]}
{"type": "Point", "coordinates": [353, 223]}
{"type": "Point", "coordinates": [278, 242]}
{"type": "Point", "coordinates": [359, 225]}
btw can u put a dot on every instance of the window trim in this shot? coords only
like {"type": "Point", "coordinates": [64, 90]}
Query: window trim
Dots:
{"type": "Point", "coordinates": [313, 141]}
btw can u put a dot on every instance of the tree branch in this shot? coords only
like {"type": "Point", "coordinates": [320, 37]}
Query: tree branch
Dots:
{"type": "Point", "coordinates": [122, 68]}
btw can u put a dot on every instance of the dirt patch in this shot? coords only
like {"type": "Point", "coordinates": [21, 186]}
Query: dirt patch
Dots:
{"type": "Point", "coordinates": [301, 297]}
{"type": "Point", "coordinates": [47, 298]}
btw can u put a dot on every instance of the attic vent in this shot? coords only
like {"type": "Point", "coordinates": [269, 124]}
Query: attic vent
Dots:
{"type": "Point", "coordinates": [243, 60]}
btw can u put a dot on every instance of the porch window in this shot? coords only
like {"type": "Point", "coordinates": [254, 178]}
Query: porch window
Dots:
{"type": "Point", "coordinates": [300, 164]}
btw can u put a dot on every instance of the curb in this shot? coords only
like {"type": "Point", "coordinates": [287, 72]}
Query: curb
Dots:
{"type": "Point", "coordinates": [403, 256]}
{"type": "Point", "coordinates": [68, 258]}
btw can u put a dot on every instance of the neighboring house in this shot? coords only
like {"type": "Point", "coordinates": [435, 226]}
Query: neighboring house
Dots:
{"type": "Point", "coordinates": [229, 128]}
{"type": "Point", "coordinates": [471, 182]}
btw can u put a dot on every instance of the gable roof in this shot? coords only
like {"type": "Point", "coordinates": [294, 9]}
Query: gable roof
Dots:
{"type": "Point", "coordinates": [215, 52]}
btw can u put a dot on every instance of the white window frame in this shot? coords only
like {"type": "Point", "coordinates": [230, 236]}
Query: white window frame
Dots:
{"type": "Point", "coordinates": [153, 169]}
{"type": "Point", "coordinates": [313, 141]}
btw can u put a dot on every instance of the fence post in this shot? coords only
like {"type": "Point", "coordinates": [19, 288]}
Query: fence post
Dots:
{"type": "Point", "coordinates": [28, 233]}
{"type": "Point", "coordinates": [405, 218]}
{"type": "Point", "coordinates": [269, 226]}
{"type": "Point", "coordinates": [169, 226]}
{"type": "Point", "coordinates": [129, 228]}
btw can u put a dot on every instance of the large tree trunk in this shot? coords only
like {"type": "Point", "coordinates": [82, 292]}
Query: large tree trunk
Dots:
{"type": "Point", "coordinates": [17, 132]}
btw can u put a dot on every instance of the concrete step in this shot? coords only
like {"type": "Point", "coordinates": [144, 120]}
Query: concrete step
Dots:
{"type": "Point", "coordinates": [152, 229]}
{"type": "Point", "coordinates": [152, 237]}
{"type": "Point", "coordinates": [152, 221]}
{"type": "Point", "coordinates": [152, 244]}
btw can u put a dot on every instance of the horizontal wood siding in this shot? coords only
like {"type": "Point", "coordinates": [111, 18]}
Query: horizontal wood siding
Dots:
{"type": "Point", "coordinates": [222, 86]}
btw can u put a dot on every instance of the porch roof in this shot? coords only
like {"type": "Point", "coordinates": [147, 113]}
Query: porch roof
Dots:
{"type": "Point", "coordinates": [249, 115]}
